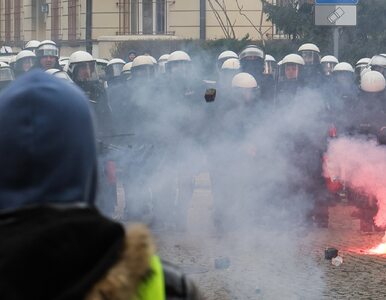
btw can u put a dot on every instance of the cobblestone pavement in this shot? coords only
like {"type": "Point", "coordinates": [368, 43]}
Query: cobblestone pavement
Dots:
{"type": "Point", "coordinates": [276, 266]}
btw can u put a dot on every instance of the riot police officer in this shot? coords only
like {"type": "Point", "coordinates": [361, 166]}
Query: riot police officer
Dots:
{"type": "Point", "coordinates": [269, 78]}
{"type": "Point", "coordinates": [328, 63]}
{"type": "Point", "coordinates": [25, 60]}
{"type": "Point", "coordinates": [252, 62]}
{"type": "Point", "coordinates": [229, 69]}
{"type": "Point", "coordinates": [6, 75]}
{"type": "Point", "coordinates": [82, 70]}
{"type": "Point", "coordinates": [47, 55]}
{"type": "Point", "coordinates": [378, 63]}
{"type": "Point", "coordinates": [225, 55]}
{"type": "Point", "coordinates": [113, 71]}
{"type": "Point", "coordinates": [290, 78]}
{"type": "Point", "coordinates": [313, 74]}
{"type": "Point", "coordinates": [369, 122]}
{"type": "Point", "coordinates": [359, 67]}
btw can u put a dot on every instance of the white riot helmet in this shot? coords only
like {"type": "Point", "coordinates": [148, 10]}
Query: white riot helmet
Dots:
{"type": "Point", "coordinates": [178, 64]}
{"type": "Point", "coordinates": [251, 52]}
{"type": "Point", "coordinates": [231, 64]}
{"type": "Point", "coordinates": [229, 69]}
{"type": "Point", "coordinates": [344, 74]}
{"type": "Point", "coordinates": [310, 53]}
{"type": "Point", "coordinates": [32, 45]}
{"type": "Point", "coordinates": [373, 82]}
{"type": "Point", "coordinates": [344, 67]}
{"type": "Point", "coordinates": [291, 67]}
{"type": "Point", "coordinates": [142, 67]}
{"type": "Point", "coordinates": [126, 70]}
{"type": "Point", "coordinates": [361, 65]}
{"type": "Point", "coordinates": [245, 86]}
{"type": "Point", "coordinates": [6, 50]}
{"type": "Point", "coordinates": [270, 65]}
{"type": "Point", "coordinates": [163, 58]}
{"type": "Point", "coordinates": [179, 56]}
{"type": "Point", "coordinates": [101, 65]}
{"type": "Point", "coordinates": [225, 55]}
{"type": "Point", "coordinates": [153, 60]}
{"type": "Point", "coordinates": [82, 67]}
{"type": "Point", "coordinates": [47, 48]}
{"type": "Point", "coordinates": [25, 60]}
{"type": "Point", "coordinates": [378, 63]}
{"type": "Point", "coordinates": [162, 62]}
{"type": "Point", "coordinates": [47, 55]}
{"type": "Point", "coordinates": [59, 74]}
{"type": "Point", "coordinates": [63, 62]}
{"type": "Point", "coordinates": [114, 68]}
{"type": "Point", "coordinates": [6, 74]}
{"type": "Point", "coordinates": [328, 63]}
{"type": "Point", "coordinates": [244, 81]}
{"type": "Point", "coordinates": [252, 61]}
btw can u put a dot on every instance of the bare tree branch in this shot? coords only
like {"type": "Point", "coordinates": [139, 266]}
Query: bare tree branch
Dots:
{"type": "Point", "coordinates": [219, 20]}
{"type": "Point", "coordinates": [258, 30]}
{"type": "Point", "coordinates": [226, 25]}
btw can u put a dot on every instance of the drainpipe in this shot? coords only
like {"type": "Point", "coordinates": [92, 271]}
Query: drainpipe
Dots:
{"type": "Point", "coordinates": [202, 19]}
{"type": "Point", "coordinates": [89, 26]}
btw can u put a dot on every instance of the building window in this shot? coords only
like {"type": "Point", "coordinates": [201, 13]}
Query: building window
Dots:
{"type": "Point", "coordinates": [55, 10]}
{"type": "Point", "coordinates": [142, 16]}
{"type": "Point", "coordinates": [134, 12]}
{"type": "Point", "coordinates": [161, 16]}
{"type": "Point", "coordinates": [7, 20]}
{"type": "Point", "coordinates": [72, 16]}
{"type": "Point", "coordinates": [124, 16]}
{"type": "Point", "coordinates": [17, 23]}
{"type": "Point", "coordinates": [147, 16]}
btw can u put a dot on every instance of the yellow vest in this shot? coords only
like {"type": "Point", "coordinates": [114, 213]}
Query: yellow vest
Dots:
{"type": "Point", "coordinates": [153, 288]}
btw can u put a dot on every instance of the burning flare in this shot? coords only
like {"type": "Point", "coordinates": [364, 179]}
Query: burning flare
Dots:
{"type": "Point", "coordinates": [380, 249]}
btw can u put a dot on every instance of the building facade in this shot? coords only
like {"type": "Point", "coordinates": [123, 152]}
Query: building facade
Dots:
{"type": "Point", "coordinates": [74, 24]}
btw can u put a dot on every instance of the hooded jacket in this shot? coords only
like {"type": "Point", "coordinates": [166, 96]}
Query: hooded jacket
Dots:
{"type": "Point", "coordinates": [54, 245]}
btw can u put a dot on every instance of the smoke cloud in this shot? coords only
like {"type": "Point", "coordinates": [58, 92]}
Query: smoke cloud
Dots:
{"type": "Point", "coordinates": [264, 166]}
{"type": "Point", "coordinates": [361, 164]}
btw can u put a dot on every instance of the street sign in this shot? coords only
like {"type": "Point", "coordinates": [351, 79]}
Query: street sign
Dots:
{"type": "Point", "coordinates": [336, 15]}
{"type": "Point", "coordinates": [337, 2]}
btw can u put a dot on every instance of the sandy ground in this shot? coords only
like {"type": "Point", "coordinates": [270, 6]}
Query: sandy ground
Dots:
{"type": "Point", "coordinates": [264, 265]}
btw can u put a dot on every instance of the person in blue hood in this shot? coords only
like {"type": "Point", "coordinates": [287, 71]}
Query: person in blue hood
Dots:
{"type": "Point", "coordinates": [54, 243]}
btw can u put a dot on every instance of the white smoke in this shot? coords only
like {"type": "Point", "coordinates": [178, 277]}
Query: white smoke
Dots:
{"type": "Point", "coordinates": [361, 164]}
{"type": "Point", "coordinates": [260, 180]}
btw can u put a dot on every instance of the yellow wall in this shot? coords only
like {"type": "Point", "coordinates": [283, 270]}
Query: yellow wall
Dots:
{"type": "Point", "coordinates": [183, 20]}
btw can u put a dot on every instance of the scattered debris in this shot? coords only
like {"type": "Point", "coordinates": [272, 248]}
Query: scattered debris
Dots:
{"type": "Point", "coordinates": [337, 261]}
{"type": "Point", "coordinates": [330, 253]}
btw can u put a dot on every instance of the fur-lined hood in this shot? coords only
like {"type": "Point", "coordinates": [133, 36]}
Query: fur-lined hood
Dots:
{"type": "Point", "coordinates": [122, 280]}
{"type": "Point", "coordinates": [51, 253]}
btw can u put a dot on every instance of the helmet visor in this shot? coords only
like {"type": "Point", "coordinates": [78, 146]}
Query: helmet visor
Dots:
{"type": "Point", "coordinates": [310, 57]}
{"type": "Point", "coordinates": [270, 68]}
{"type": "Point", "coordinates": [144, 71]}
{"type": "Point", "coordinates": [114, 70]}
{"type": "Point", "coordinates": [85, 71]}
{"type": "Point", "coordinates": [328, 68]}
{"type": "Point", "coordinates": [291, 72]}
{"type": "Point", "coordinates": [6, 74]}
{"type": "Point", "coordinates": [47, 52]}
